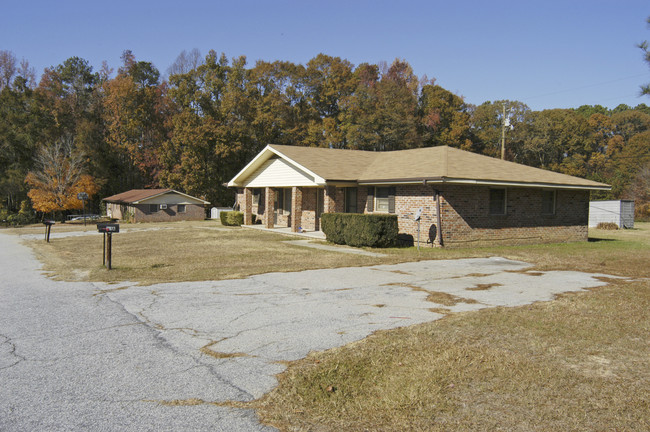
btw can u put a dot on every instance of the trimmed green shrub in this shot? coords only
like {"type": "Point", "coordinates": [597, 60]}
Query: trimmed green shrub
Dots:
{"type": "Point", "coordinates": [358, 230]}
{"type": "Point", "coordinates": [333, 224]}
{"type": "Point", "coordinates": [231, 218]}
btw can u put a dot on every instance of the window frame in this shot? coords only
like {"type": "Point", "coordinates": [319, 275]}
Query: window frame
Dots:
{"type": "Point", "coordinates": [391, 191]}
{"type": "Point", "coordinates": [503, 208]}
{"type": "Point", "coordinates": [382, 198]}
{"type": "Point", "coordinates": [347, 208]}
{"type": "Point", "coordinates": [179, 206]}
{"type": "Point", "coordinates": [553, 196]}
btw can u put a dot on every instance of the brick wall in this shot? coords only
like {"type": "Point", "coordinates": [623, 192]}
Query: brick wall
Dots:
{"type": "Point", "coordinates": [466, 218]}
{"type": "Point", "coordinates": [170, 214]}
{"type": "Point", "coordinates": [465, 213]}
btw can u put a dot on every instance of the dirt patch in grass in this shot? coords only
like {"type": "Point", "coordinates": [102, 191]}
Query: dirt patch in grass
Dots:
{"type": "Point", "coordinates": [437, 297]}
{"type": "Point", "coordinates": [483, 287]}
{"type": "Point", "coordinates": [207, 350]}
{"type": "Point", "coordinates": [446, 299]}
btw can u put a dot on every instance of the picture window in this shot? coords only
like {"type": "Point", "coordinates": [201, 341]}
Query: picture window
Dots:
{"type": "Point", "coordinates": [548, 202]}
{"type": "Point", "coordinates": [498, 201]}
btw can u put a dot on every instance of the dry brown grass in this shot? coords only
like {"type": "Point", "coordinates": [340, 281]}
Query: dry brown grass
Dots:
{"type": "Point", "coordinates": [181, 251]}
{"type": "Point", "coordinates": [578, 363]}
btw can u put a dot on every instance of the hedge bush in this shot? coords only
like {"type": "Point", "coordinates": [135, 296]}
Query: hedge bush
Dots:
{"type": "Point", "coordinates": [357, 230]}
{"type": "Point", "coordinates": [233, 218]}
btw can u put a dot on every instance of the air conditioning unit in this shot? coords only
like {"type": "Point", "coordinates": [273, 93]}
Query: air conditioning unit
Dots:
{"type": "Point", "coordinates": [163, 206]}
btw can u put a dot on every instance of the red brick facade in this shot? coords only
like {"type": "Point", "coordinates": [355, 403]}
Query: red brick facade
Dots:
{"type": "Point", "coordinates": [465, 213]}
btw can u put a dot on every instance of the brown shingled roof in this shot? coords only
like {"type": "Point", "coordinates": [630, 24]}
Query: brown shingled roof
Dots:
{"type": "Point", "coordinates": [442, 163]}
{"type": "Point", "coordinates": [135, 195]}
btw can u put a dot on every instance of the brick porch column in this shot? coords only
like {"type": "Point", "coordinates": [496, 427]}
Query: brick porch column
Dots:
{"type": "Point", "coordinates": [247, 206]}
{"type": "Point", "coordinates": [296, 208]}
{"type": "Point", "coordinates": [269, 209]}
{"type": "Point", "coordinates": [329, 199]}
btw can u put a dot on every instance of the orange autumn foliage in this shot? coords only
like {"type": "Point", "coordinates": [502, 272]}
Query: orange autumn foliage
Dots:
{"type": "Point", "coordinates": [52, 196]}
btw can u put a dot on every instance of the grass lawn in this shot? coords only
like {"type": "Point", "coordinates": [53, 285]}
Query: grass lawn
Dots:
{"type": "Point", "coordinates": [580, 362]}
{"type": "Point", "coordinates": [179, 251]}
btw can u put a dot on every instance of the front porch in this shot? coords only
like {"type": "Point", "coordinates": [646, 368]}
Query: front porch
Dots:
{"type": "Point", "coordinates": [296, 209]}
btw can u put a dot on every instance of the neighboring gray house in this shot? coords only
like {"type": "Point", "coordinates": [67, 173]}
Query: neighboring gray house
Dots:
{"type": "Point", "coordinates": [620, 212]}
{"type": "Point", "coordinates": [154, 205]}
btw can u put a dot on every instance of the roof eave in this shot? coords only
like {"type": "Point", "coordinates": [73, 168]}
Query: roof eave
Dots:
{"type": "Point", "coordinates": [480, 182]}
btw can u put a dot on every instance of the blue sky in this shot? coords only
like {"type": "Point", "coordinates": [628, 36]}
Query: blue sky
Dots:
{"type": "Point", "coordinates": [547, 54]}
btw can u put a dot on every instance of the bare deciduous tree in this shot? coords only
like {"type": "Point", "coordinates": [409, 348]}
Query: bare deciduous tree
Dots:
{"type": "Point", "coordinates": [185, 62]}
{"type": "Point", "coordinates": [7, 68]}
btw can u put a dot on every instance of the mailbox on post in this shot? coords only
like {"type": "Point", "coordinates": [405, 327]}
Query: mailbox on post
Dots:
{"type": "Point", "coordinates": [108, 229]}
{"type": "Point", "coordinates": [48, 227]}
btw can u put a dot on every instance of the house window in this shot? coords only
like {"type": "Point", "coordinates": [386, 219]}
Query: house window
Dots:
{"type": "Point", "coordinates": [385, 199]}
{"type": "Point", "coordinates": [181, 208]}
{"type": "Point", "coordinates": [351, 200]}
{"type": "Point", "coordinates": [153, 208]}
{"type": "Point", "coordinates": [497, 201]}
{"type": "Point", "coordinates": [548, 202]}
{"type": "Point", "coordinates": [257, 194]}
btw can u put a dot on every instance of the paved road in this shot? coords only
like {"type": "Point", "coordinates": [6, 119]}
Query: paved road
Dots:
{"type": "Point", "coordinates": [90, 356]}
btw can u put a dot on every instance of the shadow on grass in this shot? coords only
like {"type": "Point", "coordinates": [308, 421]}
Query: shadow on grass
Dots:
{"type": "Point", "coordinates": [597, 239]}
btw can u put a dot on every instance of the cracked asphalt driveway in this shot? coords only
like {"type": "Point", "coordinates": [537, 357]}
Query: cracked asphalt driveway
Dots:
{"type": "Point", "coordinates": [91, 356]}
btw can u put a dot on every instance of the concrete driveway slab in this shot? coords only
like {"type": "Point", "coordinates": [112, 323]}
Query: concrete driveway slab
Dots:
{"type": "Point", "coordinates": [95, 356]}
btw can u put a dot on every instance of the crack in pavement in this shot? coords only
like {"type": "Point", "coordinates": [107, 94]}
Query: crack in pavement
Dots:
{"type": "Point", "coordinates": [11, 352]}
{"type": "Point", "coordinates": [158, 334]}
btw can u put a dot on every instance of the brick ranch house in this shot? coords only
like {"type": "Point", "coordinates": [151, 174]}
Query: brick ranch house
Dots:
{"type": "Point", "coordinates": [154, 205]}
{"type": "Point", "coordinates": [466, 198]}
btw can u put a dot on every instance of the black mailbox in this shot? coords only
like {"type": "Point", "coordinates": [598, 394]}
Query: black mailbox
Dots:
{"type": "Point", "coordinates": [48, 222]}
{"type": "Point", "coordinates": [108, 228]}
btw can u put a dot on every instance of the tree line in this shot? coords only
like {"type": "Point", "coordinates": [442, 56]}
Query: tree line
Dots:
{"type": "Point", "coordinates": [106, 132]}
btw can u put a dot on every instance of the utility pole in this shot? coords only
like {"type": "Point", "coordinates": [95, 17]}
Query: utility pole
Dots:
{"type": "Point", "coordinates": [503, 134]}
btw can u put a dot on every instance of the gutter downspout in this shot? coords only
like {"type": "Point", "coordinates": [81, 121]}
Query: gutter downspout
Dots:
{"type": "Point", "coordinates": [439, 223]}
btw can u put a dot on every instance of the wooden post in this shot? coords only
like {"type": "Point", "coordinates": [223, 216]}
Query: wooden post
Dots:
{"type": "Point", "coordinates": [108, 251]}
{"type": "Point", "coordinates": [104, 251]}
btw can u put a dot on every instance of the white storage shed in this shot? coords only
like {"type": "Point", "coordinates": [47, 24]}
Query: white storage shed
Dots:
{"type": "Point", "coordinates": [620, 212]}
